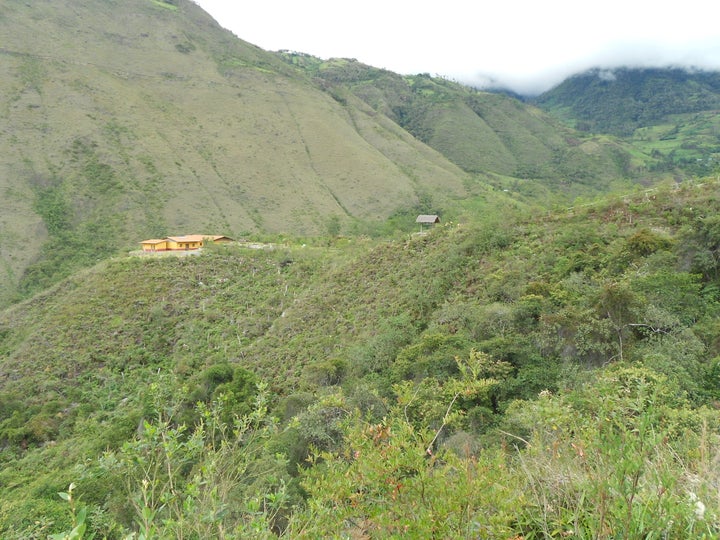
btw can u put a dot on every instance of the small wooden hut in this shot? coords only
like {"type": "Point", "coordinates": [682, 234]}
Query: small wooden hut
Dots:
{"type": "Point", "coordinates": [427, 219]}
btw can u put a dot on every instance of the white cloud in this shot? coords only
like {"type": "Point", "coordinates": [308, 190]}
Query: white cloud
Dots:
{"type": "Point", "coordinates": [526, 44]}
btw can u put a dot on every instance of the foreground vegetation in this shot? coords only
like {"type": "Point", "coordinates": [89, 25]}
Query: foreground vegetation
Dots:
{"type": "Point", "coordinates": [544, 377]}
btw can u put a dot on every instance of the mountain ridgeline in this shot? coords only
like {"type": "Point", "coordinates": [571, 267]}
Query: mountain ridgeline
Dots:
{"type": "Point", "coordinates": [478, 131]}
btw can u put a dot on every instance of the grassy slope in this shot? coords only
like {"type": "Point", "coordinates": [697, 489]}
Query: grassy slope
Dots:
{"type": "Point", "coordinates": [481, 132]}
{"type": "Point", "coordinates": [141, 118]}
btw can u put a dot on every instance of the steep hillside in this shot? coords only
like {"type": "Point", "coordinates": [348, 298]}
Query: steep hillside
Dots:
{"type": "Point", "coordinates": [127, 120]}
{"type": "Point", "coordinates": [630, 282]}
{"type": "Point", "coordinates": [479, 131]}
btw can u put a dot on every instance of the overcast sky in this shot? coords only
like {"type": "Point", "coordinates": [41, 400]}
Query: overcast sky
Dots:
{"type": "Point", "coordinates": [526, 45]}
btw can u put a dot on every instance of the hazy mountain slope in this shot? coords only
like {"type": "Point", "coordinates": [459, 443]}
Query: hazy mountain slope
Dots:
{"type": "Point", "coordinates": [619, 101]}
{"type": "Point", "coordinates": [479, 131]}
{"type": "Point", "coordinates": [668, 114]}
{"type": "Point", "coordinates": [125, 120]}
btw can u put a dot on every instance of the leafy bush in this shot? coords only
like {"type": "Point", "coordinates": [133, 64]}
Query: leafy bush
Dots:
{"type": "Point", "coordinates": [209, 481]}
{"type": "Point", "coordinates": [645, 242]}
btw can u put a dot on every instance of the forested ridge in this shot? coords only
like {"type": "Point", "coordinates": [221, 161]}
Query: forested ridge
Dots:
{"type": "Point", "coordinates": [621, 100]}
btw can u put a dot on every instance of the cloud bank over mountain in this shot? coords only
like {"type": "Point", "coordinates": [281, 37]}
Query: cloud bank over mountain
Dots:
{"type": "Point", "coordinates": [700, 55]}
{"type": "Point", "coordinates": [526, 46]}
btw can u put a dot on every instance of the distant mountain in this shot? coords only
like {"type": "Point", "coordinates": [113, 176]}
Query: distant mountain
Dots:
{"type": "Point", "coordinates": [619, 101]}
{"type": "Point", "coordinates": [481, 132]}
{"type": "Point", "coordinates": [670, 115]}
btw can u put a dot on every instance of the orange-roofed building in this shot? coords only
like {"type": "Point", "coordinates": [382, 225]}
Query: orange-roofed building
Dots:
{"type": "Point", "coordinates": [182, 243]}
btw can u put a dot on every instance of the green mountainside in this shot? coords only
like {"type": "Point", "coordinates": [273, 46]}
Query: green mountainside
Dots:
{"type": "Point", "coordinates": [670, 114]}
{"type": "Point", "coordinates": [391, 366]}
{"type": "Point", "coordinates": [481, 132]}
